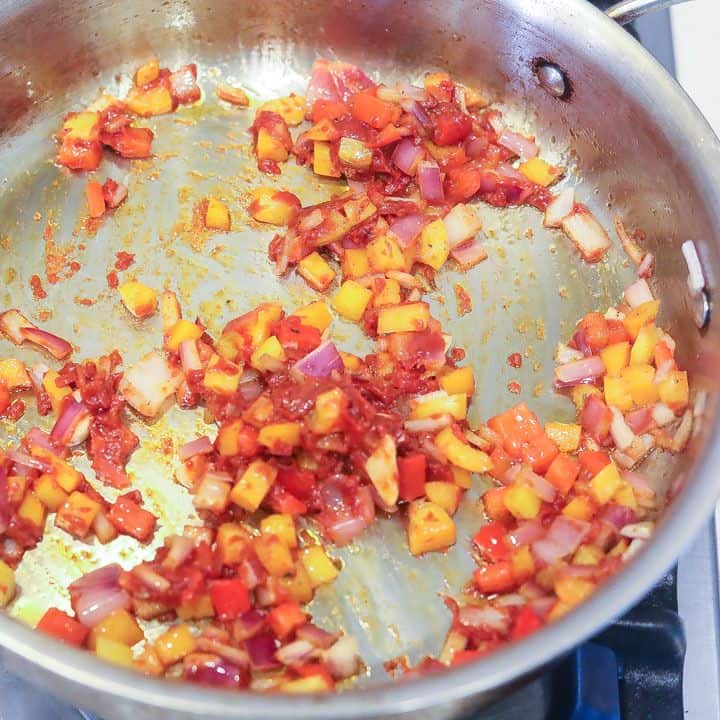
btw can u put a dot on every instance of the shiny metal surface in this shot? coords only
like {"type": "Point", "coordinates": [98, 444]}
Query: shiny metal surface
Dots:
{"type": "Point", "coordinates": [632, 142]}
{"type": "Point", "coordinates": [626, 11]}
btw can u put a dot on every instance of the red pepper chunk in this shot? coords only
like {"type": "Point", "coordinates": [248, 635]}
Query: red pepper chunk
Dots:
{"type": "Point", "coordinates": [465, 656]}
{"type": "Point", "coordinates": [286, 618]}
{"type": "Point", "coordinates": [80, 154]}
{"type": "Point", "coordinates": [297, 339]}
{"type": "Point", "coordinates": [328, 110]}
{"type": "Point", "coordinates": [451, 124]}
{"type": "Point", "coordinates": [496, 578]}
{"type": "Point", "coordinates": [62, 627]}
{"type": "Point", "coordinates": [412, 471]}
{"type": "Point", "coordinates": [95, 199]}
{"type": "Point", "coordinates": [517, 427]}
{"type": "Point", "coordinates": [526, 622]}
{"type": "Point", "coordinates": [230, 598]}
{"type": "Point", "coordinates": [312, 669]}
{"type": "Point", "coordinates": [129, 142]}
{"type": "Point", "coordinates": [129, 518]}
{"type": "Point", "coordinates": [563, 472]}
{"type": "Point", "coordinates": [371, 110]}
{"type": "Point", "coordinates": [593, 461]}
{"type": "Point", "coordinates": [4, 397]}
{"type": "Point", "coordinates": [491, 541]}
{"type": "Point", "coordinates": [299, 483]}
{"type": "Point", "coordinates": [539, 453]}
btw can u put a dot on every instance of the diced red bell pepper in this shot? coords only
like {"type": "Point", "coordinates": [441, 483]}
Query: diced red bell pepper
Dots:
{"type": "Point", "coordinates": [62, 627]}
{"type": "Point", "coordinates": [80, 154]}
{"type": "Point", "coordinates": [95, 199]}
{"type": "Point", "coordinates": [494, 503]}
{"type": "Point", "coordinates": [517, 426]}
{"type": "Point", "coordinates": [539, 453]}
{"type": "Point", "coordinates": [412, 471]}
{"type": "Point", "coordinates": [297, 339]}
{"type": "Point", "coordinates": [4, 397]}
{"type": "Point", "coordinates": [593, 461]}
{"type": "Point", "coordinates": [596, 331]}
{"type": "Point", "coordinates": [465, 656]}
{"type": "Point", "coordinates": [617, 332]}
{"type": "Point", "coordinates": [129, 142]}
{"type": "Point", "coordinates": [563, 472]}
{"type": "Point", "coordinates": [316, 668]}
{"type": "Point", "coordinates": [501, 462]}
{"type": "Point", "coordinates": [129, 518]}
{"type": "Point", "coordinates": [281, 501]}
{"type": "Point", "coordinates": [286, 618]}
{"type": "Point", "coordinates": [526, 622]}
{"type": "Point", "coordinates": [491, 541]}
{"type": "Point", "coordinates": [230, 598]}
{"type": "Point", "coordinates": [369, 109]}
{"type": "Point", "coordinates": [451, 124]}
{"type": "Point", "coordinates": [299, 483]}
{"type": "Point", "coordinates": [495, 578]}
{"type": "Point", "coordinates": [328, 110]}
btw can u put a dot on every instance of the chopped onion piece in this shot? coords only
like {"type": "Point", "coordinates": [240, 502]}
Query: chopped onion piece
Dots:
{"type": "Point", "coordinates": [633, 250]}
{"type": "Point", "coordinates": [622, 435]}
{"type": "Point", "coordinates": [587, 233]}
{"type": "Point", "coordinates": [316, 636]}
{"type": "Point", "coordinates": [189, 356]}
{"type": "Point", "coordinates": [428, 425]}
{"type": "Point", "coordinates": [469, 254]}
{"type": "Point", "coordinates": [73, 424]}
{"type": "Point", "coordinates": [461, 224]}
{"type": "Point", "coordinates": [483, 617]}
{"type": "Point", "coordinates": [149, 383]}
{"type": "Point", "coordinates": [524, 147]}
{"type": "Point", "coordinates": [342, 658]}
{"type": "Point", "coordinates": [565, 354]}
{"type": "Point", "coordinates": [20, 458]}
{"type": "Point", "coordinates": [560, 207]}
{"type": "Point", "coordinates": [55, 345]}
{"type": "Point", "coordinates": [430, 182]}
{"type": "Point", "coordinates": [11, 324]}
{"type": "Point", "coordinates": [578, 372]}
{"type": "Point", "coordinates": [407, 228]}
{"type": "Point", "coordinates": [638, 293]}
{"type": "Point", "coordinates": [200, 446]}
{"type": "Point", "coordinates": [296, 653]}
{"type": "Point", "coordinates": [645, 269]}
{"type": "Point", "coordinates": [406, 156]}
{"type": "Point", "coordinates": [320, 362]}
{"type": "Point", "coordinates": [642, 530]}
{"type": "Point", "coordinates": [382, 470]}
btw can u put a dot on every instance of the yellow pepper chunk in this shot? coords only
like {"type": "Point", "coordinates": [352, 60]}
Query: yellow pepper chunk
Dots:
{"type": "Point", "coordinates": [199, 608]}
{"type": "Point", "coordinates": [316, 315]}
{"type": "Point", "coordinates": [82, 126]}
{"type": "Point", "coordinates": [154, 101]}
{"type": "Point", "coordinates": [272, 206]}
{"type": "Point", "coordinates": [221, 376]}
{"type": "Point", "coordinates": [430, 528]}
{"type": "Point", "coordinates": [114, 652]}
{"type": "Point", "coordinates": [580, 394]}
{"type": "Point", "coordinates": [460, 380]}
{"type": "Point", "coordinates": [50, 494]}
{"type": "Point", "coordinates": [615, 357]}
{"type": "Point", "coordinates": [267, 355]}
{"type": "Point", "coordinates": [434, 246]}
{"type": "Point", "coordinates": [351, 362]}
{"type": "Point", "coordinates": [282, 525]}
{"type": "Point", "coordinates": [274, 555]}
{"type": "Point", "coordinates": [322, 160]}
{"type": "Point", "coordinates": [643, 348]}
{"type": "Point", "coordinates": [7, 584]}
{"type": "Point", "coordinates": [674, 390]}
{"type": "Point", "coordinates": [439, 403]}
{"type": "Point", "coordinates": [269, 148]}
{"type": "Point", "coordinates": [351, 300]}
{"type": "Point", "coordinates": [231, 541]}
{"type": "Point", "coordinates": [384, 254]}
{"type": "Point", "coordinates": [565, 435]}
{"type": "Point", "coordinates": [119, 626]}
{"type": "Point", "coordinates": [291, 108]}
{"type": "Point", "coordinates": [625, 495]}
{"type": "Point", "coordinates": [309, 684]}
{"type": "Point", "coordinates": [617, 393]}
{"type": "Point", "coordinates": [181, 331]}
{"type": "Point", "coordinates": [407, 317]}
{"type": "Point", "coordinates": [328, 409]}
{"type": "Point", "coordinates": [148, 72]}
{"type": "Point", "coordinates": [446, 495]}
{"type": "Point", "coordinates": [588, 555]}
{"type": "Point", "coordinates": [389, 295]}
{"type": "Point", "coordinates": [522, 502]}
{"type": "Point", "coordinates": [461, 477]}
{"type": "Point", "coordinates": [316, 271]}
{"type": "Point", "coordinates": [579, 508]}
{"type": "Point", "coordinates": [641, 315]}
{"type": "Point", "coordinates": [32, 510]}
{"type": "Point", "coordinates": [13, 374]}
{"type": "Point", "coordinates": [523, 564]}
{"type": "Point", "coordinates": [355, 263]}
{"type": "Point", "coordinates": [254, 484]}
{"type": "Point", "coordinates": [573, 591]}
{"type": "Point", "coordinates": [319, 567]}
{"type": "Point", "coordinates": [174, 644]}
{"type": "Point", "coordinates": [56, 392]}
{"type": "Point", "coordinates": [605, 484]}
{"type": "Point", "coordinates": [139, 299]}
{"type": "Point", "coordinates": [461, 453]}
{"type": "Point", "coordinates": [279, 437]}
{"type": "Point", "coordinates": [298, 586]}
{"type": "Point", "coordinates": [639, 381]}
{"type": "Point", "coordinates": [217, 215]}
{"type": "Point", "coordinates": [540, 171]}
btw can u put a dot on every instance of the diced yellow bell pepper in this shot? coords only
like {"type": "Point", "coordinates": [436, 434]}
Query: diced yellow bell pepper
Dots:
{"type": "Point", "coordinates": [446, 495]}
{"type": "Point", "coordinates": [16, 487]}
{"type": "Point", "coordinates": [355, 153]}
{"type": "Point", "coordinates": [641, 315]}
{"type": "Point", "coordinates": [319, 567]}
{"type": "Point", "coordinates": [231, 541]}
{"type": "Point", "coordinates": [384, 254]}
{"type": "Point", "coordinates": [316, 315]}
{"type": "Point", "coordinates": [389, 295]}
{"type": "Point", "coordinates": [217, 215]}
{"type": "Point", "coordinates": [316, 271]}
{"type": "Point", "coordinates": [228, 437]}
{"type": "Point", "coordinates": [266, 356]}
{"type": "Point", "coordinates": [565, 435]}
{"type": "Point", "coordinates": [573, 591]}
{"type": "Point", "coordinates": [148, 662]}
{"type": "Point", "coordinates": [522, 501]}
{"type": "Point", "coordinates": [139, 299]}
{"type": "Point", "coordinates": [605, 484]}
{"type": "Point", "coordinates": [32, 510]}
{"type": "Point", "coordinates": [82, 126]}
{"type": "Point", "coordinates": [298, 587]}
{"type": "Point", "coordinates": [407, 317]}
{"type": "Point", "coordinates": [643, 348]}
{"type": "Point", "coordinates": [324, 131]}
{"type": "Point", "coordinates": [625, 495]}
{"type": "Point", "coordinates": [351, 362]}
{"type": "Point", "coordinates": [114, 652]}
{"type": "Point", "coordinates": [282, 525]}
{"type": "Point", "coordinates": [460, 380]}
{"type": "Point", "coordinates": [199, 608]}
{"type": "Point", "coordinates": [617, 393]}
{"type": "Point", "coordinates": [523, 564]}
{"type": "Point", "coordinates": [351, 300]}
{"type": "Point", "coordinates": [174, 644]}
{"type": "Point", "coordinates": [14, 375]}
{"type": "Point", "coordinates": [439, 403]}
{"type": "Point", "coordinates": [639, 381]}
{"type": "Point", "coordinates": [461, 477]}
{"type": "Point", "coordinates": [269, 148]}
{"type": "Point", "coordinates": [615, 357]}
{"type": "Point", "coordinates": [50, 494]}
{"type": "Point", "coordinates": [558, 610]}
{"type": "Point", "coordinates": [181, 331]}
{"type": "Point", "coordinates": [674, 390]}
{"type": "Point", "coordinates": [7, 584]}
{"type": "Point", "coordinates": [580, 394]}
{"type": "Point", "coordinates": [540, 171]}
{"type": "Point", "coordinates": [430, 528]}
{"type": "Point", "coordinates": [588, 555]}
{"type": "Point", "coordinates": [434, 247]}
{"type": "Point", "coordinates": [279, 437]}
{"type": "Point", "coordinates": [291, 108]}
{"type": "Point", "coordinates": [309, 684]}
{"type": "Point", "coordinates": [355, 263]}
{"type": "Point", "coordinates": [461, 453]}
{"type": "Point", "coordinates": [170, 311]}
{"type": "Point", "coordinates": [66, 476]}
{"type": "Point", "coordinates": [328, 409]}
{"type": "Point", "coordinates": [274, 555]}
{"type": "Point", "coordinates": [56, 393]}
{"type": "Point", "coordinates": [579, 508]}
{"type": "Point", "coordinates": [77, 514]}
{"type": "Point", "coordinates": [272, 206]}
{"type": "Point", "coordinates": [119, 626]}
{"type": "Point", "coordinates": [322, 160]}
{"type": "Point", "coordinates": [253, 485]}
{"type": "Point", "coordinates": [221, 376]}
{"type": "Point", "coordinates": [148, 72]}
{"type": "Point", "coordinates": [266, 315]}
{"type": "Point", "coordinates": [153, 101]}
{"type": "Point", "coordinates": [259, 412]}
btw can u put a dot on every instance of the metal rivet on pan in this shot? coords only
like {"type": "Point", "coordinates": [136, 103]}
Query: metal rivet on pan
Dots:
{"type": "Point", "coordinates": [697, 286]}
{"type": "Point", "coordinates": [552, 78]}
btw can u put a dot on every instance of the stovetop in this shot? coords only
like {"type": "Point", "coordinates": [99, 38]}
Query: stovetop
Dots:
{"type": "Point", "coordinates": [658, 662]}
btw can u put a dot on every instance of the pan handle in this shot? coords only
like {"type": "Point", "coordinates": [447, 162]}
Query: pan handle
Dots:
{"type": "Point", "coordinates": [626, 11]}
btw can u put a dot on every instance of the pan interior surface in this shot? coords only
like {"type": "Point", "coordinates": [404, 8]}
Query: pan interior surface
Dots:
{"type": "Point", "coordinates": [526, 297]}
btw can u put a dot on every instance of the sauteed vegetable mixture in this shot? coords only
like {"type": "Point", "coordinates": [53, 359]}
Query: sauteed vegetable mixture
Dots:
{"type": "Point", "coordinates": [313, 442]}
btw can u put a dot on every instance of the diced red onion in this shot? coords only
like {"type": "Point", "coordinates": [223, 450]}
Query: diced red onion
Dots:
{"type": "Point", "coordinates": [179, 551]}
{"type": "Point", "coordinates": [412, 91]}
{"type": "Point", "coordinates": [312, 220]}
{"type": "Point", "coordinates": [20, 458]}
{"type": "Point", "coordinates": [638, 293]}
{"type": "Point", "coordinates": [662, 414]}
{"type": "Point", "coordinates": [469, 254]}
{"type": "Point", "coordinates": [211, 670]}
{"type": "Point", "coordinates": [95, 604]}
{"type": "Point", "coordinates": [639, 421]}
{"type": "Point", "coordinates": [645, 268]}
{"type": "Point", "coordinates": [633, 250]}
{"type": "Point", "coordinates": [320, 362]}
{"type": "Point", "coordinates": [106, 576]}
{"type": "Point", "coordinates": [542, 488]}
{"type": "Point", "coordinates": [542, 605]}
{"type": "Point", "coordinates": [406, 156]}
{"type": "Point", "coordinates": [642, 530]}
{"type": "Point", "coordinates": [250, 386]}
{"type": "Point", "coordinates": [622, 435]}
{"type": "Point", "coordinates": [407, 228]}
{"type": "Point", "coordinates": [495, 120]}
{"type": "Point", "coordinates": [617, 515]}
{"type": "Point", "coordinates": [415, 109]}
{"type": "Point", "coordinates": [189, 356]}
{"type": "Point", "coordinates": [483, 617]}
{"type": "Point", "coordinates": [37, 373]}
{"type": "Point", "coordinates": [563, 538]}
{"type": "Point", "coordinates": [296, 653]}
{"type": "Point", "coordinates": [342, 658]}
{"type": "Point", "coordinates": [505, 170]}
{"type": "Point", "coordinates": [565, 354]}
{"type": "Point", "coordinates": [261, 650]}
{"type": "Point", "coordinates": [430, 182]}
{"type": "Point", "coordinates": [526, 532]}
{"type": "Point", "coordinates": [559, 208]}
{"type": "Point", "coordinates": [148, 383]}
{"type": "Point", "coordinates": [522, 146]}
{"type": "Point", "coordinates": [586, 232]}
{"type": "Point", "coordinates": [115, 196]}
{"type": "Point", "coordinates": [73, 425]}
{"type": "Point", "coordinates": [249, 624]}
{"type": "Point", "coordinates": [102, 527]}
{"type": "Point", "coordinates": [12, 323]}
{"type": "Point", "coordinates": [232, 654]}
{"type": "Point", "coordinates": [213, 492]}
{"type": "Point", "coordinates": [153, 580]}
{"type": "Point", "coordinates": [461, 224]}
{"type": "Point", "coordinates": [316, 636]}
{"type": "Point", "coordinates": [581, 343]}
{"type": "Point", "coordinates": [251, 572]}
{"type": "Point", "coordinates": [357, 187]}
{"type": "Point", "coordinates": [36, 437]}
{"type": "Point", "coordinates": [55, 345]}
{"type": "Point", "coordinates": [199, 446]}
{"type": "Point", "coordinates": [578, 372]}
{"type": "Point", "coordinates": [345, 530]}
